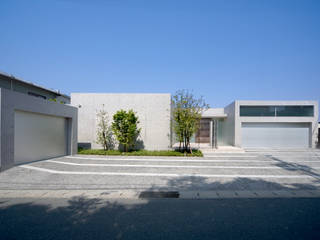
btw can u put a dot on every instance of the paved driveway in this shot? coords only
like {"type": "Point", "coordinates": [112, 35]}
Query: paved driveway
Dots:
{"type": "Point", "coordinates": [253, 171]}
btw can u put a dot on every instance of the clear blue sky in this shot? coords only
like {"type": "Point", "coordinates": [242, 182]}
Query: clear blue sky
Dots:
{"type": "Point", "coordinates": [223, 50]}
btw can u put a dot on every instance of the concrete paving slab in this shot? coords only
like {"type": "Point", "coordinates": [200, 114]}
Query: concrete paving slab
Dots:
{"type": "Point", "coordinates": [232, 172]}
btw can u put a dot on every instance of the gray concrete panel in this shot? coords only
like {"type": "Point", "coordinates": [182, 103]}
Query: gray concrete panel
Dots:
{"type": "Point", "coordinates": [153, 111]}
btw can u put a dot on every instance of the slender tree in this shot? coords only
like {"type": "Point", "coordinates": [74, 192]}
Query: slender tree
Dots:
{"type": "Point", "coordinates": [187, 111]}
{"type": "Point", "coordinates": [125, 128]}
{"type": "Point", "coordinates": [104, 131]}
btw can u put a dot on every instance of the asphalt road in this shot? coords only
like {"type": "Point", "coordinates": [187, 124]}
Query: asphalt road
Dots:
{"type": "Point", "coordinates": [81, 218]}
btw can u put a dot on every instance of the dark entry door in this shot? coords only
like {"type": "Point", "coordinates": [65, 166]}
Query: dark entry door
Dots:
{"type": "Point", "coordinates": [203, 134]}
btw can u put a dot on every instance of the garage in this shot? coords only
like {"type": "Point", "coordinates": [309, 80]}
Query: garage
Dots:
{"type": "Point", "coordinates": [38, 136]}
{"type": "Point", "coordinates": [275, 135]}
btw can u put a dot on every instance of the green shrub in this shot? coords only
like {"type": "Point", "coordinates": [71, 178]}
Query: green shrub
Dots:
{"type": "Point", "coordinates": [125, 128]}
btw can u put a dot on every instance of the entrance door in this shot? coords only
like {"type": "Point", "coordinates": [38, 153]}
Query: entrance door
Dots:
{"type": "Point", "coordinates": [203, 134]}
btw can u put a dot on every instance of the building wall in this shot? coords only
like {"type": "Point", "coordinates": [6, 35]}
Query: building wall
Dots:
{"type": "Point", "coordinates": [13, 101]}
{"type": "Point", "coordinates": [18, 86]}
{"type": "Point", "coordinates": [313, 121]}
{"type": "Point", "coordinates": [229, 124]}
{"type": "Point", "coordinates": [153, 110]}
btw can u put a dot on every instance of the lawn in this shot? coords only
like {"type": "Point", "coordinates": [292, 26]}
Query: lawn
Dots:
{"type": "Point", "coordinates": [195, 153]}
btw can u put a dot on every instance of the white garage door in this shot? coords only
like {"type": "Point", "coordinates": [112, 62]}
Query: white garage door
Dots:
{"type": "Point", "coordinates": [38, 137]}
{"type": "Point", "coordinates": [275, 135]}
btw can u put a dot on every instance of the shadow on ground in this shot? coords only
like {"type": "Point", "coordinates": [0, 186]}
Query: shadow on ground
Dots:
{"type": "Point", "coordinates": [81, 218]}
{"type": "Point", "coordinates": [293, 166]}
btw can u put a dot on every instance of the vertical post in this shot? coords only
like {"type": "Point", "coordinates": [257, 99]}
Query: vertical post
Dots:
{"type": "Point", "coordinates": [215, 128]}
{"type": "Point", "coordinates": [211, 133]}
{"type": "Point", "coordinates": [68, 129]}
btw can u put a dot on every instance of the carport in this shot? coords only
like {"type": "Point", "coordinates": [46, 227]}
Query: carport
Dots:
{"type": "Point", "coordinates": [35, 129]}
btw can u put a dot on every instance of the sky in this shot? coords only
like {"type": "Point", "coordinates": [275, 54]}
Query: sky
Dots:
{"type": "Point", "coordinates": [223, 50]}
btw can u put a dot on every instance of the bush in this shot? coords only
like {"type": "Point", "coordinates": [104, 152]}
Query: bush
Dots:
{"type": "Point", "coordinates": [125, 128]}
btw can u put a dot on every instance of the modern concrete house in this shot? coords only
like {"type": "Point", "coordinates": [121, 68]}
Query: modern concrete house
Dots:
{"type": "Point", "coordinates": [244, 124]}
{"type": "Point", "coordinates": [34, 129]}
{"type": "Point", "coordinates": [15, 84]}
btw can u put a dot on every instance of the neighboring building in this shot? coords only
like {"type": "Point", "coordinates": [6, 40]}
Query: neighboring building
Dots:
{"type": "Point", "coordinates": [12, 83]}
{"type": "Point", "coordinates": [33, 129]}
{"type": "Point", "coordinates": [246, 124]}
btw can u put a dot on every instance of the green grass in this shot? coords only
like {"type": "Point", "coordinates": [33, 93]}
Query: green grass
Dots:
{"type": "Point", "coordinates": [195, 153]}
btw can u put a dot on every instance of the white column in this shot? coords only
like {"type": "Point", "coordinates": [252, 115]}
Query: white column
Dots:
{"type": "Point", "coordinates": [211, 133]}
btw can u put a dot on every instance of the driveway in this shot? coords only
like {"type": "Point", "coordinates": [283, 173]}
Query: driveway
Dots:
{"type": "Point", "coordinates": [250, 171]}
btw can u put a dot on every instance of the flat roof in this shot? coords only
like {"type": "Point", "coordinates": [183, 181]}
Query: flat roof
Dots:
{"type": "Point", "coordinates": [32, 84]}
{"type": "Point", "coordinates": [214, 112]}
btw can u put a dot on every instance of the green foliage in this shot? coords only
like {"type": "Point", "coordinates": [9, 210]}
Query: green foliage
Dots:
{"type": "Point", "coordinates": [195, 153]}
{"type": "Point", "coordinates": [104, 131]}
{"type": "Point", "coordinates": [125, 128]}
{"type": "Point", "coordinates": [187, 111]}
{"type": "Point", "coordinates": [55, 100]}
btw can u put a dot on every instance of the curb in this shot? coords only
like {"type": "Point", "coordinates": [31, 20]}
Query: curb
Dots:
{"type": "Point", "coordinates": [130, 194]}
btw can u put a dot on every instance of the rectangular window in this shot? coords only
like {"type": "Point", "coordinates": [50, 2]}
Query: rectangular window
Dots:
{"type": "Point", "coordinates": [36, 95]}
{"type": "Point", "coordinates": [257, 111]}
{"type": "Point", "coordinates": [276, 111]}
{"type": "Point", "coordinates": [295, 111]}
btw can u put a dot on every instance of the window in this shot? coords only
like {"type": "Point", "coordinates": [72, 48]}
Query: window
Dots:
{"type": "Point", "coordinates": [291, 111]}
{"type": "Point", "coordinates": [257, 111]}
{"type": "Point", "coordinates": [276, 111]}
{"type": "Point", "coordinates": [36, 95]}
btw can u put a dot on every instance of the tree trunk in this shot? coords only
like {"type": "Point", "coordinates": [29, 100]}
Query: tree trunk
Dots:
{"type": "Point", "coordinates": [185, 142]}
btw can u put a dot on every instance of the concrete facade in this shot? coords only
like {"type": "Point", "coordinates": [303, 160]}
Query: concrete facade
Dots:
{"type": "Point", "coordinates": [10, 102]}
{"type": "Point", "coordinates": [313, 121]}
{"type": "Point", "coordinates": [153, 111]}
{"type": "Point", "coordinates": [228, 123]}
{"type": "Point", "coordinates": [155, 115]}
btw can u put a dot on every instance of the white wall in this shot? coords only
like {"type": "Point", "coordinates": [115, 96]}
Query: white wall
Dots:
{"type": "Point", "coordinates": [229, 124]}
{"type": "Point", "coordinates": [153, 111]}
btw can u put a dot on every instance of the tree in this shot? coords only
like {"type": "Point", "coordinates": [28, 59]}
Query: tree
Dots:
{"type": "Point", "coordinates": [187, 111]}
{"type": "Point", "coordinates": [104, 131]}
{"type": "Point", "coordinates": [125, 128]}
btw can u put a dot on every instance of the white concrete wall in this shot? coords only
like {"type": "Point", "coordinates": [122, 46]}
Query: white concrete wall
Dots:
{"type": "Point", "coordinates": [153, 110]}
{"type": "Point", "coordinates": [229, 124]}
